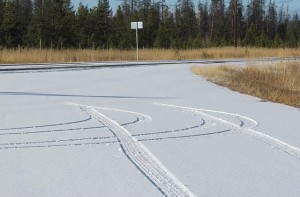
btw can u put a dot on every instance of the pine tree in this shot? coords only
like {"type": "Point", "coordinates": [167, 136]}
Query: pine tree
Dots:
{"type": "Point", "coordinates": [292, 34]}
{"type": "Point", "coordinates": [241, 25]}
{"type": "Point", "coordinates": [165, 31]}
{"type": "Point", "coordinates": [122, 31]}
{"type": "Point", "coordinates": [82, 26]}
{"type": "Point", "coordinates": [250, 36]}
{"type": "Point", "coordinates": [256, 13]}
{"type": "Point", "coordinates": [58, 24]}
{"type": "Point", "coordinates": [9, 25]}
{"type": "Point", "coordinates": [271, 20]}
{"type": "Point", "coordinates": [218, 22]}
{"type": "Point", "coordinates": [35, 30]}
{"type": "Point", "coordinates": [103, 24]}
{"type": "Point", "coordinates": [2, 6]}
{"type": "Point", "coordinates": [23, 17]}
{"type": "Point", "coordinates": [187, 22]}
{"type": "Point", "coordinates": [151, 25]}
{"type": "Point", "coordinates": [203, 20]}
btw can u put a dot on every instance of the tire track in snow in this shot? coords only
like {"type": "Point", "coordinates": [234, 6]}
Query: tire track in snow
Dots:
{"type": "Point", "coordinates": [58, 143]}
{"type": "Point", "coordinates": [47, 125]}
{"type": "Point", "coordinates": [104, 140]}
{"type": "Point", "coordinates": [172, 131]}
{"type": "Point", "coordinates": [51, 131]}
{"type": "Point", "coordinates": [185, 136]}
{"type": "Point", "coordinates": [274, 142]}
{"type": "Point", "coordinates": [137, 119]}
{"type": "Point", "coordinates": [141, 157]}
{"type": "Point", "coordinates": [55, 141]}
{"type": "Point", "coordinates": [155, 136]}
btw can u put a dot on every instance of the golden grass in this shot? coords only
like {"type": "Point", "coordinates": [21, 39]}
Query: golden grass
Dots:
{"type": "Point", "coordinates": [8, 56]}
{"type": "Point", "coordinates": [277, 83]}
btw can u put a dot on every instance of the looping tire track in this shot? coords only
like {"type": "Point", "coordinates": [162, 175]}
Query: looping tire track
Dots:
{"type": "Point", "coordinates": [96, 139]}
{"type": "Point", "coordinates": [141, 157]}
{"type": "Point", "coordinates": [285, 147]}
{"type": "Point", "coordinates": [58, 143]}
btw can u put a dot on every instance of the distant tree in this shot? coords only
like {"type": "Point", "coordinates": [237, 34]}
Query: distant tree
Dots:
{"type": "Point", "coordinates": [52, 24]}
{"type": "Point", "coordinates": [151, 26]}
{"type": "Point", "coordinates": [9, 27]}
{"type": "Point", "coordinates": [35, 29]}
{"type": "Point", "coordinates": [203, 20]}
{"type": "Point", "coordinates": [292, 34]}
{"type": "Point", "coordinates": [23, 17]}
{"type": "Point", "coordinates": [83, 26]}
{"type": "Point", "coordinates": [250, 36]}
{"type": "Point", "coordinates": [241, 25]}
{"type": "Point", "coordinates": [188, 27]}
{"type": "Point", "coordinates": [219, 29]}
{"type": "Point", "coordinates": [281, 23]}
{"type": "Point", "coordinates": [271, 20]}
{"type": "Point", "coordinates": [103, 19]}
{"type": "Point", "coordinates": [122, 31]}
{"type": "Point", "coordinates": [2, 7]}
{"type": "Point", "coordinates": [55, 24]}
{"type": "Point", "coordinates": [165, 31]}
{"type": "Point", "coordinates": [256, 13]}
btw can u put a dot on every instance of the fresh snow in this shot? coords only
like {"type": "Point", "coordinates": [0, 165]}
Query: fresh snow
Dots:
{"type": "Point", "coordinates": [141, 131]}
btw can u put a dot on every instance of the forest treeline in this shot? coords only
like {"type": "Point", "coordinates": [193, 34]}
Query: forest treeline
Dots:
{"type": "Point", "coordinates": [56, 24]}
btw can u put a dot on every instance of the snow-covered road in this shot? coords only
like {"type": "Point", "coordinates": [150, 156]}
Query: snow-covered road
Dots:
{"type": "Point", "coordinates": [141, 131]}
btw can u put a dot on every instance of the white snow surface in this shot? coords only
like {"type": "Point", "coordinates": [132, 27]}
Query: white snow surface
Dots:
{"type": "Point", "coordinates": [142, 131]}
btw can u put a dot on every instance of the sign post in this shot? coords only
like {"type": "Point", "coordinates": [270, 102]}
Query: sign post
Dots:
{"type": "Point", "coordinates": [136, 26]}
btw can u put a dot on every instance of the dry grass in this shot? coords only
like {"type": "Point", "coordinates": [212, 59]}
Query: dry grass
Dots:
{"type": "Point", "coordinates": [8, 56]}
{"type": "Point", "coordinates": [277, 83]}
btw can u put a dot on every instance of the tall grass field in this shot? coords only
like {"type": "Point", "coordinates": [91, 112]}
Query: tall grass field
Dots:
{"type": "Point", "coordinates": [11, 56]}
{"type": "Point", "coordinates": [277, 83]}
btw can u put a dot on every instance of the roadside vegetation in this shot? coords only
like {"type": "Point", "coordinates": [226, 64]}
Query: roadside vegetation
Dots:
{"type": "Point", "coordinates": [277, 83]}
{"type": "Point", "coordinates": [10, 56]}
{"type": "Point", "coordinates": [187, 24]}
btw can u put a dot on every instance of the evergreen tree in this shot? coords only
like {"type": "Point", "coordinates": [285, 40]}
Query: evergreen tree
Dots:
{"type": "Point", "coordinates": [187, 22]}
{"type": "Point", "coordinates": [203, 20]}
{"type": "Point", "coordinates": [9, 25]}
{"type": "Point", "coordinates": [151, 26]}
{"type": "Point", "coordinates": [219, 29]}
{"type": "Point", "coordinates": [271, 20]}
{"type": "Point", "coordinates": [241, 25]}
{"type": "Point", "coordinates": [23, 10]}
{"type": "Point", "coordinates": [82, 26]}
{"type": "Point", "coordinates": [292, 34]}
{"type": "Point", "coordinates": [2, 7]}
{"type": "Point", "coordinates": [165, 31]}
{"type": "Point", "coordinates": [103, 24]}
{"type": "Point", "coordinates": [54, 24]}
{"type": "Point", "coordinates": [122, 31]}
{"type": "Point", "coordinates": [256, 12]}
{"type": "Point", "coordinates": [282, 25]}
{"type": "Point", "coordinates": [250, 36]}
{"type": "Point", "coordinates": [58, 27]}
{"type": "Point", "coordinates": [35, 34]}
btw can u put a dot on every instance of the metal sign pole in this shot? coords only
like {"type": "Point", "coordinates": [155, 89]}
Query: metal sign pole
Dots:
{"type": "Point", "coordinates": [137, 43]}
{"type": "Point", "coordinates": [136, 26]}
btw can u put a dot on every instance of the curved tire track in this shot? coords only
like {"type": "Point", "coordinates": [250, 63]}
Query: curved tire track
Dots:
{"type": "Point", "coordinates": [274, 142]}
{"type": "Point", "coordinates": [141, 157]}
{"type": "Point", "coordinates": [59, 143]}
